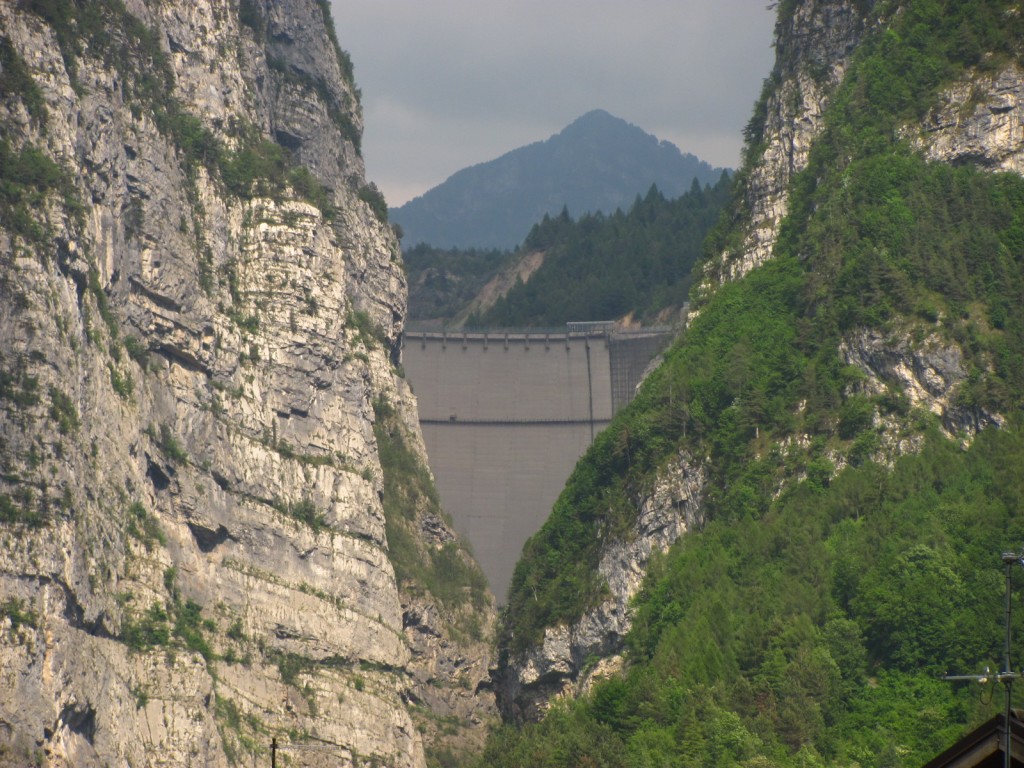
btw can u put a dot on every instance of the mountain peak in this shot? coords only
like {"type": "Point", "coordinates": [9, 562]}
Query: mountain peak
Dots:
{"type": "Point", "coordinates": [598, 122]}
{"type": "Point", "coordinates": [599, 162]}
{"type": "Point", "coordinates": [596, 117]}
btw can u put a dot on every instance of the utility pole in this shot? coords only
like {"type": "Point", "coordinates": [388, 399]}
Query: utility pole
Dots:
{"type": "Point", "coordinates": [1006, 676]}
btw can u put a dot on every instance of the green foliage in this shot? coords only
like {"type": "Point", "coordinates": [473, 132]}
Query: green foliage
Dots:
{"type": "Point", "coordinates": [453, 578]}
{"type": "Point", "coordinates": [27, 177]}
{"type": "Point", "coordinates": [137, 351]}
{"type": "Point", "coordinates": [22, 509]}
{"type": "Point", "coordinates": [181, 625]}
{"type": "Point", "coordinates": [825, 626]}
{"type": "Point", "coordinates": [250, 15]}
{"type": "Point", "coordinates": [191, 628]}
{"type": "Point", "coordinates": [604, 267]}
{"type": "Point", "coordinates": [374, 198]}
{"type": "Point", "coordinates": [15, 610]}
{"type": "Point", "coordinates": [236, 631]}
{"type": "Point", "coordinates": [149, 630]}
{"type": "Point", "coordinates": [262, 168]}
{"type": "Point", "coordinates": [169, 444]}
{"type": "Point", "coordinates": [257, 169]}
{"type": "Point", "coordinates": [761, 361]}
{"type": "Point", "coordinates": [17, 385]}
{"type": "Point", "coordinates": [306, 512]}
{"type": "Point", "coordinates": [367, 332]}
{"type": "Point", "coordinates": [446, 572]}
{"type": "Point", "coordinates": [736, 372]}
{"type": "Point", "coordinates": [308, 187]}
{"type": "Point", "coordinates": [808, 622]}
{"type": "Point", "coordinates": [566, 737]}
{"type": "Point", "coordinates": [144, 526]}
{"type": "Point", "coordinates": [102, 303]}
{"type": "Point", "coordinates": [122, 383]}
{"type": "Point", "coordinates": [227, 712]}
{"type": "Point", "coordinates": [442, 282]}
{"type": "Point", "coordinates": [16, 79]}
{"type": "Point", "coordinates": [63, 411]}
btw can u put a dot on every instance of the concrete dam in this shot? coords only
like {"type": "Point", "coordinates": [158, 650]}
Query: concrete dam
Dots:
{"type": "Point", "coordinates": [507, 414]}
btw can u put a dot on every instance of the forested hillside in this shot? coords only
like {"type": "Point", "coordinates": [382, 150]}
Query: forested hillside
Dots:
{"type": "Point", "coordinates": [855, 404]}
{"type": "Point", "coordinates": [600, 266]}
{"type": "Point", "coordinates": [603, 267]}
{"type": "Point", "coordinates": [443, 281]}
{"type": "Point", "coordinates": [597, 163]}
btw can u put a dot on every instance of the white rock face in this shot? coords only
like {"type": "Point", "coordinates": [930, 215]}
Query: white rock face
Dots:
{"type": "Point", "coordinates": [813, 52]}
{"type": "Point", "coordinates": [930, 373]}
{"type": "Point", "coordinates": [561, 665]}
{"type": "Point", "coordinates": [989, 134]}
{"type": "Point", "coordinates": [194, 557]}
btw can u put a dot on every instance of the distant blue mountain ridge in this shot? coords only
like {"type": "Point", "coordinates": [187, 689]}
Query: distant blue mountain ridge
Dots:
{"type": "Point", "coordinates": [598, 163]}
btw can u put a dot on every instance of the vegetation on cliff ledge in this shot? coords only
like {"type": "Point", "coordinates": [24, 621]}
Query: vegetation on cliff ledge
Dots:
{"type": "Point", "coordinates": [442, 568]}
{"type": "Point", "coordinates": [841, 573]}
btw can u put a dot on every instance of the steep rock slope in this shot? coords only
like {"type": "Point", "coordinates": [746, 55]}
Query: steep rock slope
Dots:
{"type": "Point", "coordinates": [849, 354]}
{"type": "Point", "coordinates": [200, 301]}
{"type": "Point", "coordinates": [814, 42]}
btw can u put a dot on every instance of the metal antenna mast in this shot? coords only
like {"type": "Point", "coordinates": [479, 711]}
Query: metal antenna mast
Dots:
{"type": "Point", "coordinates": [1006, 676]}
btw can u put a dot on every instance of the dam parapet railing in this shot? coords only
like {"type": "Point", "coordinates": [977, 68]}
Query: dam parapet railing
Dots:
{"type": "Point", "coordinates": [575, 330]}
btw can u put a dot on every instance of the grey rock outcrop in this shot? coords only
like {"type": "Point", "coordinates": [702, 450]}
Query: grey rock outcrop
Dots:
{"type": "Point", "coordinates": [200, 309]}
{"type": "Point", "coordinates": [930, 374]}
{"type": "Point", "coordinates": [813, 48]}
{"type": "Point", "coordinates": [563, 663]}
{"type": "Point", "coordinates": [990, 133]}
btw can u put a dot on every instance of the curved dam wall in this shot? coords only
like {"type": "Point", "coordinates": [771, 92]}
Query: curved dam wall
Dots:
{"type": "Point", "coordinates": [506, 415]}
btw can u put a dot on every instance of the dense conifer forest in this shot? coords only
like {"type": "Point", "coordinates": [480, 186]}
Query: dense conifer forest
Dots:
{"type": "Point", "coordinates": [605, 267]}
{"type": "Point", "coordinates": [597, 267]}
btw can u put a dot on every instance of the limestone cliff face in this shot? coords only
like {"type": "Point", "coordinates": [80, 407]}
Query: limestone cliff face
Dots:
{"type": "Point", "coordinates": [199, 303]}
{"type": "Point", "coordinates": [930, 373]}
{"type": "Point", "coordinates": [813, 45]}
{"type": "Point", "coordinates": [989, 132]}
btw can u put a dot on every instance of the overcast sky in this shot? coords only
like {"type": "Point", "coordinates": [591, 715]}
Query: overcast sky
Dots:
{"type": "Point", "coordinates": [451, 83]}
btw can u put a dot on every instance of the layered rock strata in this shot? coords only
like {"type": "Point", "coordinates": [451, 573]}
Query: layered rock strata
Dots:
{"type": "Point", "coordinates": [200, 304]}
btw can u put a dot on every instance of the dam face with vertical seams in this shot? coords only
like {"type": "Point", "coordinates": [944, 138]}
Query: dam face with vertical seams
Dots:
{"type": "Point", "coordinates": [507, 414]}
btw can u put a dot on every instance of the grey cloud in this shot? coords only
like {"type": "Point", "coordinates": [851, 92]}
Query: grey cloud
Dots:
{"type": "Point", "coordinates": [450, 83]}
